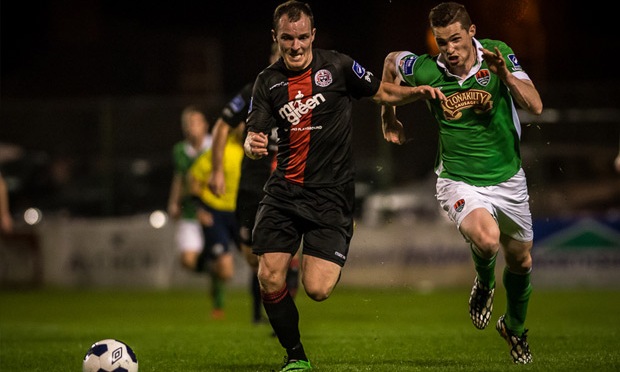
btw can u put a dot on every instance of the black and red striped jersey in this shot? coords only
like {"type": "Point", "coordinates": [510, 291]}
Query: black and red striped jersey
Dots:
{"type": "Point", "coordinates": [312, 112]}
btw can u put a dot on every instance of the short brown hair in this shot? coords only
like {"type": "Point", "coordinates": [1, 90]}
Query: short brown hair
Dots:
{"type": "Point", "coordinates": [448, 13]}
{"type": "Point", "coordinates": [293, 9]}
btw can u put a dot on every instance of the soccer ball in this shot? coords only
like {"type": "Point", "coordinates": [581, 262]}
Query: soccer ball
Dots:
{"type": "Point", "coordinates": [110, 355]}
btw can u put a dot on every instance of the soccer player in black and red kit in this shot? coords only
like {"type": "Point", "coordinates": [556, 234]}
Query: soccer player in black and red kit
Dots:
{"type": "Point", "coordinates": [254, 174]}
{"type": "Point", "coordinates": [309, 198]}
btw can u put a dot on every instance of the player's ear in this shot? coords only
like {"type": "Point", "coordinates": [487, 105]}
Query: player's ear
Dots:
{"type": "Point", "coordinates": [273, 36]}
{"type": "Point", "coordinates": [472, 30]}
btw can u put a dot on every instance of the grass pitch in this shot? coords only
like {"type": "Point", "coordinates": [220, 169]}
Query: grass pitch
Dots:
{"type": "Point", "coordinates": [392, 329]}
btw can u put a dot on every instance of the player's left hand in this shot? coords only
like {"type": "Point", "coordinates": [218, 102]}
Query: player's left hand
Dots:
{"type": "Point", "coordinates": [495, 61]}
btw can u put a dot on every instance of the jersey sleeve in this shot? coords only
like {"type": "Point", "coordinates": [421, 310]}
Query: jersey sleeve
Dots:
{"type": "Point", "coordinates": [512, 62]}
{"type": "Point", "coordinates": [236, 110]}
{"type": "Point", "coordinates": [259, 114]}
{"type": "Point", "coordinates": [360, 81]}
{"type": "Point", "coordinates": [405, 62]}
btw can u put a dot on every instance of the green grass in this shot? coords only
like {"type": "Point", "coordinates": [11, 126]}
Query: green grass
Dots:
{"type": "Point", "coordinates": [355, 330]}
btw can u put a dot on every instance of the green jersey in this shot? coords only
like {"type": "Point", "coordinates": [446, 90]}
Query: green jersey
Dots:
{"type": "Point", "coordinates": [183, 156]}
{"type": "Point", "coordinates": [479, 130]}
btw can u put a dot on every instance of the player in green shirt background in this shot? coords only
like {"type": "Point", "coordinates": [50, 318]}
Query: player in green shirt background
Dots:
{"type": "Point", "coordinates": [480, 184]}
{"type": "Point", "coordinates": [196, 140]}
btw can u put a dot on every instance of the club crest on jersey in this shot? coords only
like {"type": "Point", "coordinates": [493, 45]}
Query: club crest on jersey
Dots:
{"type": "Point", "coordinates": [358, 69]}
{"type": "Point", "coordinates": [515, 62]}
{"type": "Point", "coordinates": [483, 77]}
{"type": "Point", "coordinates": [323, 78]}
{"type": "Point", "coordinates": [459, 205]}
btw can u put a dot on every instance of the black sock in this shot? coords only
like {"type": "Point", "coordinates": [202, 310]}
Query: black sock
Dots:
{"type": "Point", "coordinates": [284, 318]}
{"type": "Point", "coordinates": [296, 353]}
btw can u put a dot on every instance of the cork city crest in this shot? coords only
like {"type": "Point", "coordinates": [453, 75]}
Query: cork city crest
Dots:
{"type": "Point", "coordinates": [459, 205]}
{"type": "Point", "coordinates": [483, 77]}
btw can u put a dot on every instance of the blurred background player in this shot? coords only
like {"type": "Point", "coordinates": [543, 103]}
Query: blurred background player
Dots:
{"type": "Point", "coordinates": [254, 174]}
{"type": "Point", "coordinates": [6, 220]}
{"type": "Point", "coordinates": [197, 140]}
{"type": "Point", "coordinates": [216, 215]}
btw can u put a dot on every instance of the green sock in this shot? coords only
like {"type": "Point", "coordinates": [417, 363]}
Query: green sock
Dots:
{"type": "Point", "coordinates": [485, 268]}
{"type": "Point", "coordinates": [217, 291]}
{"type": "Point", "coordinates": [518, 291]}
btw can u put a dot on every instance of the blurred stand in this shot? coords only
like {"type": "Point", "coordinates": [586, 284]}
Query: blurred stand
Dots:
{"type": "Point", "coordinates": [403, 250]}
{"type": "Point", "coordinates": [89, 169]}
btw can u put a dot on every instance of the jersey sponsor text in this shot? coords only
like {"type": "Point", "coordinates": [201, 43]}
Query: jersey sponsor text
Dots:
{"type": "Point", "coordinates": [294, 110]}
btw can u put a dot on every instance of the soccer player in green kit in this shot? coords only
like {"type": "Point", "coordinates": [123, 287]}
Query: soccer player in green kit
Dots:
{"type": "Point", "coordinates": [480, 184]}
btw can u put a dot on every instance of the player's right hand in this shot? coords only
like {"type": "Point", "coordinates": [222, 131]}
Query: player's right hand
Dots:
{"type": "Point", "coordinates": [255, 145]}
{"type": "Point", "coordinates": [429, 92]}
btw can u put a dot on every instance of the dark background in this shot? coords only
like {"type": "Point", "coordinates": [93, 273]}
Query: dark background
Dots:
{"type": "Point", "coordinates": [77, 48]}
{"type": "Point", "coordinates": [95, 88]}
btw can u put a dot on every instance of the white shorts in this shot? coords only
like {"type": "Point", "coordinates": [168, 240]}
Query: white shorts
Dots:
{"type": "Point", "coordinates": [508, 203]}
{"type": "Point", "coordinates": [189, 236]}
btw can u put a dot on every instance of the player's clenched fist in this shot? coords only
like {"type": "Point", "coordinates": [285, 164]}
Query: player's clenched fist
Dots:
{"type": "Point", "coordinates": [255, 145]}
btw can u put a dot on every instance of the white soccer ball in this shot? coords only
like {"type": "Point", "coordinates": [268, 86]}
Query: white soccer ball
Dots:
{"type": "Point", "coordinates": [110, 355]}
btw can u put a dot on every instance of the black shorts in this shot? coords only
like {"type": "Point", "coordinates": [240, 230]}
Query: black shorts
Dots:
{"type": "Point", "coordinates": [247, 205]}
{"type": "Point", "coordinates": [320, 219]}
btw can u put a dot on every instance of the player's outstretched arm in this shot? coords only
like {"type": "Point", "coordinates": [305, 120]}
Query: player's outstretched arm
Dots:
{"type": "Point", "coordinates": [389, 73]}
{"type": "Point", "coordinates": [392, 93]}
{"type": "Point", "coordinates": [523, 91]}
{"type": "Point", "coordinates": [398, 95]}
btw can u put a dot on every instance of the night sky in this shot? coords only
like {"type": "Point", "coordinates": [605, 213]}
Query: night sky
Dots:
{"type": "Point", "coordinates": [90, 80]}
{"type": "Point", "coordinates": [94, 48]}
